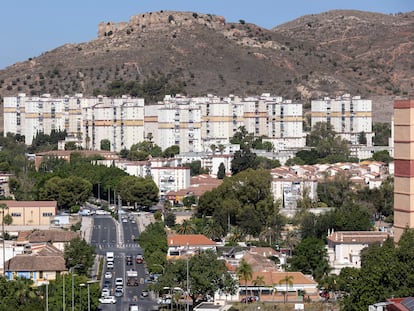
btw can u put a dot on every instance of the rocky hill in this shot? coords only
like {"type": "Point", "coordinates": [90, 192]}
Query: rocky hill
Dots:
{"type": "Point", "coordinates": [336, 52]}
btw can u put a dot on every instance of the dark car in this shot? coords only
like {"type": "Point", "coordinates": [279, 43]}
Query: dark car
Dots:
{"type": "Point", "coordinates": [128, 260]}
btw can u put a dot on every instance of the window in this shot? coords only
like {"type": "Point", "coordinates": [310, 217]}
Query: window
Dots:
{"type": "Point", "coordinates": [47, 214]}
{"type": "Point", "coordinates": [16, 214]}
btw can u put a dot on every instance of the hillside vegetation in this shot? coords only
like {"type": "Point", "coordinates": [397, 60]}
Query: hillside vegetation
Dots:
{"type": "Point", "coordinates": [332, 53]}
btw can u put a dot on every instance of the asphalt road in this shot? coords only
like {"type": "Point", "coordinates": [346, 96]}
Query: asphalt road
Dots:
{"type": "Point", "coordinates": [105, 238]}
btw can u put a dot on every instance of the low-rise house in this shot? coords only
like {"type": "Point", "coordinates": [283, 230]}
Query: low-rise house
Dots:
{"type": "Point", "coordinates": [183, 245]}
{"type": "Point", "coordinates": [277, 286]}
{"type": "Point", "coordinates": [344, 247]}
{"type": "Point", "coordinates": [30, 213]}
{"type": "Point", "coordinates": [57, 238]}
{"type": "Point", "coordinates": [42, 266]}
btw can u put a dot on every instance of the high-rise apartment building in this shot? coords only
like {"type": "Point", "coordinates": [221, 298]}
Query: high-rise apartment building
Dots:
{"type": "Point", "coordinates": [90, 120]}
{"type": "Point", "coordinates": [119, 120]}
{"type": "Point", "coordinates": [351, 117]}
{"type": "Point", "coordinates": [403, 166]}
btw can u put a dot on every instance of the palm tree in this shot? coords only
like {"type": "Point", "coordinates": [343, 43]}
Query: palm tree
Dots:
{"type": "Point", "coordinates": [288, 281]}
{"type": "Point", "coordinates": [213, 229]}
{"type": "Point", "coordinates": [221, 148]}
{"type": "Point", "coordinates": [186, 227]}
{"type": "Point", "coordinates": [259, 282]}
{"type": "Point", "coordinates": [5, 220]}
{"type": "Point", "coordinates": [213, 148]}
{"type": "Point", "coordinates": [244, 272]}
{"type": "Point", "coordinates": [292, 240]}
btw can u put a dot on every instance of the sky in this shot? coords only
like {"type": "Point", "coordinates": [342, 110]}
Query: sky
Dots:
{"type": "Point", "coordinates": [29, 28]}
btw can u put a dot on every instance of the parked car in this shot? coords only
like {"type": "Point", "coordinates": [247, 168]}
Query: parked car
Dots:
{"type": "Point", "coordinates": [110, 265]}
{"type": "Point", "coordinates": [119, 292]}
{"type": "Point", "coordinates": [108, 275]}
{"type": "Point", "coordinates": [105, 292]}
{"type": "Point", "coordinates": [139, 259]}
{"type": "Point", "coordinates": [107, 300]}
{"type": "Point", "coordinates": [144, 293]}
{"type": "Point", "coordinates": [250, 299]}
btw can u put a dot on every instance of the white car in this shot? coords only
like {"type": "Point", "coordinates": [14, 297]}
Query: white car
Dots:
{"type": "Point", "coordinates": [119, 282]}
{"type": "Point", "coordinates": [110, 264]}
{"type": "Point", "coordinates": [105, 292]}
{"type": "Point", "coordinates": [107, 299]}
{"type": "Point", "coordinates": [108, 275]}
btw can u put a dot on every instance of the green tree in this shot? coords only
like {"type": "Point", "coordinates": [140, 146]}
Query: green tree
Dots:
{"type": "Point", "coordinates": [310, 257]}
{"type": "Point", "coordinates": [245, 273]}
{"type": "Point", "coordinates": [105, 145]}
{"type": "Point", "coordinates": [330, 147]}
{"type": "Point", "coordinates": [221, 171]}
{"type": "Point", "coordinates": [79, 253]}
{"type": "Point", "coordinates": [171, 151]}
{"type": "Point", "coordinates": [71, 146]}
{"type": "Point", "coordinates": [137, 190]}
{"type": "Point", "coordinates": [186, 227]}
{"type": "Point", "coordinates": [382, 156]}
{"type": "Point", "coordinates": [66, 191]}
{"type": "Point", "coordinates": [243, 160]}
{"type": "Point", "coordinates": [288, 282]}
{"type": "Point", "coordinates": [362, 138]}
{"type": "Point", "coordinates": [259, 282]}
{"type": "Point", "coordinates": [169, 219]}
{"type": "Point", "coordinates": [382, 133]}
{"type": "Point", "coordinates": [189, 200]}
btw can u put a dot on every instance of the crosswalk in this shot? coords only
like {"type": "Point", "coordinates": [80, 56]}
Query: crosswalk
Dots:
{"type": "Point", "coordinates": [115, 245]}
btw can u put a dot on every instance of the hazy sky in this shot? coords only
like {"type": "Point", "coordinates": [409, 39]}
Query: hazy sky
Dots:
{"type": "Point", "coordinates": [29, 28]}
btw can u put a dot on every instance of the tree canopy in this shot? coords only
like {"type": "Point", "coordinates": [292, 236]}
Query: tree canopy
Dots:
{"type": "Point", "coordinates": [78, 253]}
{"type": "Point", "coordinates": [330, 147]}
{"type": "Point", "coordinates": [244, 199]}
{"type": "Point", "coordinates": [142, 192]}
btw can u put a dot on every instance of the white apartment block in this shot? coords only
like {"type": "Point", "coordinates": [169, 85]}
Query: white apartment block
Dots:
{"type": "Point", "coordinates": [222, 117]}
{"type": "Point", "coordinates": [178, 123]}
{"type": "Point", "coordinates": [89, 120]}
{"type": "Point", "coordinates": [167, 174]}
{"type": "Point", "coordinates": [28, 116]}
{"type": "Point", "coordinates": [348, 115]}
{"type": "Point", "coordinates": [120, 120]}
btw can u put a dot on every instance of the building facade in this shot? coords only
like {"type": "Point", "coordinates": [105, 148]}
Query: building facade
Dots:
{"type": "Point", "coordinates": [30, 213]}
{"type": "Point", "coordinates": [350, 117]}
{"type": "Point", "coordinates": [403, 166]}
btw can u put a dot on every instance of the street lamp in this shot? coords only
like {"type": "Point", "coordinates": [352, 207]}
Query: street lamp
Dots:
{"type": "Point", "coordinates": [162, 267]}
{"type": "Point", "coordinates": [47, 293]}
{"type": "Point", "coordinates": [188, 288]}
{"type": "Point", "coordinates": [89, 294]}
{"type": "Point", "coordinates": [3, 207]}
{"type": "Point", "coordinates": [73, 290]}
{"type": "Point", "coordinates": [80, 294]}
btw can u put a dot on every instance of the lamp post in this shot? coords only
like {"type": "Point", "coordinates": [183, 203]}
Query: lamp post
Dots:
{"type": "Point", "coordinates": [73, 287]}
{"type": "Point", "coordinates": [3, 207]}
{"type": "Point", "coordinates": [63, 294]}
{"type": "Point", "coordinates": [47, 293]}
{"type": "Point", "coordinates": [162, 267]}
{"type": "Point", "coordinates": [89, 293]}
{"type": "Point", "coordinates": [188, 288]}
{"type": "Point", "coordinates": [80, 294]}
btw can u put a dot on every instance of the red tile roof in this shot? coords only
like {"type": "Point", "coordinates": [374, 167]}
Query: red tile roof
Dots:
{"type": "Point", "coordinates": [12, 203]}
{"type": "Point", "coordinates": [189, 239]}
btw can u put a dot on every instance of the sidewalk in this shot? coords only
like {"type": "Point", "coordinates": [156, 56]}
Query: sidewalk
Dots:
{"type": "Point", "coordinates": [86, 228]}
{"type": "Point", "coordinates": [144, 219]}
